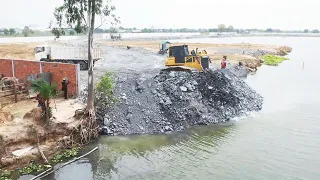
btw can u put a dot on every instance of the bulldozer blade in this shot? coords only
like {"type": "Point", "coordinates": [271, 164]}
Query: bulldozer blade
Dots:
{"type": "Point", "coordinates": [175, 69]}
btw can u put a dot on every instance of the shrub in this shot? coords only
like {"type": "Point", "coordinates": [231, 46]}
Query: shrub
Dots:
{"type": "Point", "coordinates": [104, 90]}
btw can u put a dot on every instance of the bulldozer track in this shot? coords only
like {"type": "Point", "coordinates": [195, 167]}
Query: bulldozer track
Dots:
{"type": "Point", "coordinates": [170, 69]}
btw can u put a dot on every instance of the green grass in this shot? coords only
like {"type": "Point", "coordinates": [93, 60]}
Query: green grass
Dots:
{"type": "Point", "coordinates": [272, 60]}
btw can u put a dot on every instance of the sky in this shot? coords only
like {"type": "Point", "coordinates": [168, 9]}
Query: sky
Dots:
{"type": "Point", "coordinates": [262, 14]}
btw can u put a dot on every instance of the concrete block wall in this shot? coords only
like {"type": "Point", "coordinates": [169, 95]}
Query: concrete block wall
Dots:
{"type": "Point", "coordinates": [22, 68]}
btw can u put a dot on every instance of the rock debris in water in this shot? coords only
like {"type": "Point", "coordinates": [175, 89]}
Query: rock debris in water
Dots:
{"type": "Point", "coordinates": [174, 101]}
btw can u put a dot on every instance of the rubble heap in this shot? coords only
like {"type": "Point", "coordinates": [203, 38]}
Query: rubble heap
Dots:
{"type": "Point", "coordinates": [174, 101]}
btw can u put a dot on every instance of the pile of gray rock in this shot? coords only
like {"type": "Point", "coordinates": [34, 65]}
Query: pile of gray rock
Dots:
{"type": "Point", "coordinates": [174, 101]}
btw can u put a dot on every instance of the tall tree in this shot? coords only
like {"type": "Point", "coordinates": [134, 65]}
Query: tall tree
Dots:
{"type": "Point", "coordinates": [6, 32]}
{"type": "Point", "coordinates": [231, 29]}
{"type": "Point", "coordinates": [221, 27]}
{"type": "Point", "coordinates": [81, 15]}
{"type": "Point", "coordinates": [26, 31]}
{"type": "Point", "coordinates": [12, 31]}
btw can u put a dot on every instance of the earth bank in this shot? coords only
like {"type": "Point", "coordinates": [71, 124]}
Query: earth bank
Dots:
{"type": "Point", "coordinates": [26, 131]}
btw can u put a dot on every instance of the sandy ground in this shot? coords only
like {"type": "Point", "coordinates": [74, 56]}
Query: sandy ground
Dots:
{"type": "Point", "coordinates": [17, 51]}
{"type": "Point", "coordinates": [21, 133]}
{"type": "Point", "coordinates": [234, 51]}
{"type": "Point", "coordinates": [143, 56]}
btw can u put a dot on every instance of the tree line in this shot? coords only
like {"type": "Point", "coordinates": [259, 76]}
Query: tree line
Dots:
{"type": "Point", "coordinates": [219, 29]}
{"type": "Point", "coordinates": [26, 31]}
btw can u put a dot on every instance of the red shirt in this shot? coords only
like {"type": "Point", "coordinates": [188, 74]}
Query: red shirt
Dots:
{"type": "Point", "coordinates": [223, 64]}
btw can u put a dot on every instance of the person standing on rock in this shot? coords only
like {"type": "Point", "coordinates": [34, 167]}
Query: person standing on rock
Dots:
{"type": "Point", "coordinates": [224, 62]}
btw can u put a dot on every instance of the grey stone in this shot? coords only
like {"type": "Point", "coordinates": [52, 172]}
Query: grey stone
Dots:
{"type": "Point", "coordinates": [167, 128]}
{"type": "Point", "coordinates": [189, 87]}
{"type": "Point", "coordinates": [213, 97]}
{"type": "Point", "coordinates": [183, 89]}
{"type": "Point", "coordinates": [172, 74]}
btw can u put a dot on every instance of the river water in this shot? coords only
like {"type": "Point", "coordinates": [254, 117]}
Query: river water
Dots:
{"type": "Point", "coordinates": [282, 142]}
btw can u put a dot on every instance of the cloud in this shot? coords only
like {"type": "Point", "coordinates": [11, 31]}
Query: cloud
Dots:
{"type": "Point", "coordinates": [282, 14]}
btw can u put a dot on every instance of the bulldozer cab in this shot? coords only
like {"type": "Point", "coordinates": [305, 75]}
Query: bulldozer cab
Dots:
{"type": "Point", "coordinates": [179, 52]}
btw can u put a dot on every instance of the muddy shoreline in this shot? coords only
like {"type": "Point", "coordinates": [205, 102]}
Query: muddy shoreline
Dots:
{"type": "Point", "coordinates": [26, 129]}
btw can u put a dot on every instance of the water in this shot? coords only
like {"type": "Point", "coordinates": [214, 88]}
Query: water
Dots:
{"type": "Point", "coordinates": [4, 40]}
{"type": "Point", "coordinates": [281, 142]}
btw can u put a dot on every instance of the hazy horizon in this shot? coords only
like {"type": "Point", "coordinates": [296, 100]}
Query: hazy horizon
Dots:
{"type": "Point", "coordinates": [261, 14]}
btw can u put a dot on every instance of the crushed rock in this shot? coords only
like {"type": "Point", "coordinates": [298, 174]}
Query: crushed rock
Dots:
{"type": "Point", "coordinates": [175, 101]}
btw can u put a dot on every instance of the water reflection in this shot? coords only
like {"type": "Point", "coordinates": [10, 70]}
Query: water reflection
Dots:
{"type": "Point", "coordinates": [139, 157]}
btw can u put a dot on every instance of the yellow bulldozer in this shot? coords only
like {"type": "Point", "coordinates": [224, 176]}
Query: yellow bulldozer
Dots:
{"type": "Point", "coordinates": [180, 58]}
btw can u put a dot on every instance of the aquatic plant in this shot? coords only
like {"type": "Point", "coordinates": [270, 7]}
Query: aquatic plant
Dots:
{"type": "Point", "coordinates": [272, 60]}
{"type": "Point", "coordinates": [5, 175]}
{"type": "Point", "coordinates": [33, 168]}
{"type": "Point", "coordinates": [66, 154]}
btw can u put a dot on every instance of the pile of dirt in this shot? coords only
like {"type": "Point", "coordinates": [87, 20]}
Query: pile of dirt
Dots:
{"type": "Point", "coordinates": [283, 50]}
{"type": "Point", "coordinates": [174, 101]}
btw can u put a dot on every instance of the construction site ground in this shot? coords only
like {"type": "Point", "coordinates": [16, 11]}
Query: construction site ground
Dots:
{"type": "Point", "coordinates": [23, 131]}
{"type": "Point", "coordinates": [140, 60]}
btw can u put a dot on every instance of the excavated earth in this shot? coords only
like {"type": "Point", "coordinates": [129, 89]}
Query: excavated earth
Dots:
{"type": "Point", "coordinates": [174, 101]}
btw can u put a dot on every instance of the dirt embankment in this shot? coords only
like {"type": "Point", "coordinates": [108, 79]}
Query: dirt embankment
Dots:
{"type": "Point", "coordinates": [26, 130]}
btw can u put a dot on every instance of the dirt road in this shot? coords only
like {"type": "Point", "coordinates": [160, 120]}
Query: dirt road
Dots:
{"type": "Point", "coordinates": [119, 60]}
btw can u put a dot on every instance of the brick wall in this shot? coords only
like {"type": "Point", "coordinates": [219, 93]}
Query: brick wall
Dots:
{"type": "Point", "coordinates": [23, 68]}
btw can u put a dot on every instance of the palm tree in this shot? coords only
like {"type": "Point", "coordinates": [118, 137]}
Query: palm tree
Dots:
{"type": "Point", "coordinates": [47, 91]}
